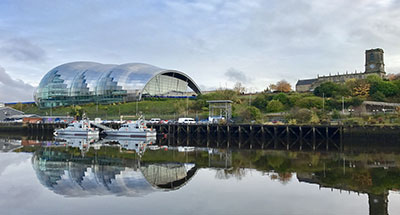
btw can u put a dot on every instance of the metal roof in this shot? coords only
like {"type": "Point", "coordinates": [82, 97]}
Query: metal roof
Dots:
{"type": "Point", "coordinates": [219, 101]}
{"type": "Point", "coordinates": [381, 104]}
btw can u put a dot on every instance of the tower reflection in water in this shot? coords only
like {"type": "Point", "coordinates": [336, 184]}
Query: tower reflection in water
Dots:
{"type": "Point", "coordinates": [78, 167]}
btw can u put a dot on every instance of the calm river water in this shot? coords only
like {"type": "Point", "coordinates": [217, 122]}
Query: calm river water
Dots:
{"type": "Point", "coordinates": [80, 176]}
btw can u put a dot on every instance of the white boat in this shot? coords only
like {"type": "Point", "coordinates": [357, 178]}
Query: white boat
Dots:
{"type": "Point", "coordinates": [132, 129]}
{"type": "Point", "coordinates": [186, 149]}
{"type": "Point", "coordinates": [78, 128]}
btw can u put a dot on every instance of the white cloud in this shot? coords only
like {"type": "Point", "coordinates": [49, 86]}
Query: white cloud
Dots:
{"type": "Point", "coordinates": [14, 90]}
{"type": "Point", "coordinates": [237, 76]}
{"type": "Point", "coordinates": [270, 40]}
{"type": "Point", "coordinates": [20, 49]}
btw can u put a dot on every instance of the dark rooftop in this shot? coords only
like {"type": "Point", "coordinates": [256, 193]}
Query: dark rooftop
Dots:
{"type": "Point", "coordinates": [306, 81]}
{"type": "Point", "coordinates": [219, 101]}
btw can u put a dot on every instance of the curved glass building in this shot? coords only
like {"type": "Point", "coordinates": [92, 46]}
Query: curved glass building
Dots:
{"type": "Point", "coordinates": [71, 175]}
{"type": "Point", "coordinates": [87, 82]}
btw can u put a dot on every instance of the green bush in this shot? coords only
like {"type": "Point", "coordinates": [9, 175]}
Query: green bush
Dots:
{"type": "Point", "coordinates": [301, 115]}
{"type": "Point", "coordinates": [274, 106]}
{"type": "Point", "coordinates": [283, 98]}
{"type": "Point", "coordinates": [250, 113]}
{"type": "Point", "coordinates": [310, 102]}
{"type": "Point", "coordinates": [336, 114]}
{"type": "Point", "coordinates": [378, 96]}
{"type": "Point", "coordinates": [330, 89]}
{"type": "Point", "coordinates": [387, 88]}
{"type": "Point", "coordinates": [261, 101]}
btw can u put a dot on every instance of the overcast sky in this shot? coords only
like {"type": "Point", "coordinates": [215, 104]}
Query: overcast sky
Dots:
{"type": "Point", "coordinates": [215, 42]}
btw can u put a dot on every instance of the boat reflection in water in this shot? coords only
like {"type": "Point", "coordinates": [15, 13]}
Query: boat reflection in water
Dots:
{"type": "Point", "coordinates": [83, 167]}
{"type": "Point", "coordinates": [82, 143]}
{"type": "Point", "coordinates": [139, 145]}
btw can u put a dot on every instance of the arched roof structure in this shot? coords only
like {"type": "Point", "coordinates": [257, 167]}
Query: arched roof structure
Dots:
{"type": "Point", "coordinates": [85, 82]}
{"type": "Point", "coordinates": [81, 179]}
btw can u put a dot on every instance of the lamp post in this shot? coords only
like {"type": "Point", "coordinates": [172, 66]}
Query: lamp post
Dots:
{"type": "Point", "coordinates": [342, 104]}
{"type": "Point", "coordinates": [137, 100]}
{"type": "Point", "coordinates": [187, 105]}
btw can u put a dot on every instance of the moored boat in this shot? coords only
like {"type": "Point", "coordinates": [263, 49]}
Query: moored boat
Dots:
{"type": "Point", "coordinates": [78, 128]}
{"type": "Point", "coordinates": [132, 129]}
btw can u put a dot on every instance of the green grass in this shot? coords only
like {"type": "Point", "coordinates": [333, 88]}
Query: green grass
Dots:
{"type": "Point", "coordinates": [163, 108]}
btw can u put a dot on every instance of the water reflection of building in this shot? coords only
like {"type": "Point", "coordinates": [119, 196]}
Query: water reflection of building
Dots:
{"type": "Point", "coordinates": [7, 145]}
{"type": "Point", "coordinates": [111, 168]}
{"type": "Point", "coordinates": [378, 203]}
{"type": "Point", "coordinates": [84, 176]}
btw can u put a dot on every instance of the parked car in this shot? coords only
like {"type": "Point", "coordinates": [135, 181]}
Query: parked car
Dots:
{"type": "Point", "coordinates": [172, 121]}
{"type": "Point", "coordinates": [164, 121]}
{"type": "Point", "coordinates": [186, 121]}
{"type": "Point", "coordinates": [216, 119]}
{"type": "Point", "coordinates": [155, 120]}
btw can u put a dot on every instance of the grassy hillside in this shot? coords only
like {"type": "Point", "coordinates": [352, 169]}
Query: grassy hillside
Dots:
{"type": "Point", "coordinates": [300, 108]}
{"type": "Point", "coordinates": [165, 108]}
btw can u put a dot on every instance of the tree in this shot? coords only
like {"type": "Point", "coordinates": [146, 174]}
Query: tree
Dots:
{"type": "Point", "coordinates": [274, 106]}
{"type": "Point", "coordinates": [281, 86]}
{"type": "Point", "coordinates": [327, 89]}
{"type": "Point", "coordinates": [378, 96]}
{"type": "Point", "coordinates": [355, 101]}
{"type": "Point", "coordinates": [330, 89]}
{"type": "Point", "coordinates": [283, 98]}
{"type": "Point", "coordinates": [314, 118]}
{"type": "Point", "coordinates": [239, 88]}
{"type": "Point", "coordinates": [335, 114]}
{"type": "Point", "coordinates": [250, 113]}
{"type": "Point", "coordinates": [393, 77]}
{"type": "Point", "coordinates": [301, 115]}
{"type": "Point", "coordinates": [387, 88]}
{"type": "Point", "coordinates": [76, 112]}
{"type": "Point", "coordinates": [261, 100]}
{"type": "Point", "coordinates": [361, 88]}
{"type": "Point", "coordinates": [272, 87]}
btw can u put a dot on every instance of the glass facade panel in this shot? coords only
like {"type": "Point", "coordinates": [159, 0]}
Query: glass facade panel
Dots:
{"type": "Point", "coordinates": [89, 82]}
{"type": "Point", "coordinates": [162, 85]}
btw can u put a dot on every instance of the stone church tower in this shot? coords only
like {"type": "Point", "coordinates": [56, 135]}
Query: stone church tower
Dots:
{"type": "Point", "coordinates": [374, 62]}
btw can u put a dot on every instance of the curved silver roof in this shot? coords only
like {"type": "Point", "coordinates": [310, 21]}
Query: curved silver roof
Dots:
{"type": "Point", "coordinates": [83, 80]}
{"type": "Point", "coordinates": [80, 179]}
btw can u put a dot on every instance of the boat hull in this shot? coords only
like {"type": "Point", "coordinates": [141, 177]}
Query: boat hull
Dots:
{"type": "Point", "coordinates": [77, 133]}
{"type": "Point", "coordinates": [131, 134]}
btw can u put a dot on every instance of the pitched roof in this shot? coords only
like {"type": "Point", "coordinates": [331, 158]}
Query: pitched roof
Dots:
{"type": "Point", "coordinates": [306, 81]}
{"type": "Point", "coordinates": [2, 109]}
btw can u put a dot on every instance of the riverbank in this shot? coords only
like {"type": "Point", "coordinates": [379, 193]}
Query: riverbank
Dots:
{"type": "Point", "coordinates": [246, 131]}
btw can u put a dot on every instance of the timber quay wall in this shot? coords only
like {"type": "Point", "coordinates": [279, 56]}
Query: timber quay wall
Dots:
{"type": "Point", "coordinates": [31, 128]}
{"type": "Point", "coordinates": [253, 135]}
{"type": "Point", "coordinates": [238, 132]}
{"type": "Point", "coordinates": [246, 131]}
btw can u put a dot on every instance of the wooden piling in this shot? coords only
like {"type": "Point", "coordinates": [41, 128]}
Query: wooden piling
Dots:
{"type": "Point", "coordinates": [313, 140]}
